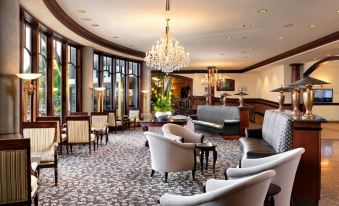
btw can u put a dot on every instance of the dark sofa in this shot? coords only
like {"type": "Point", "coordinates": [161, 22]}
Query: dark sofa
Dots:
{"type": "Point", "coordinates": [274, 137]}
{"type": "Point", "coordinates": [224, 120]}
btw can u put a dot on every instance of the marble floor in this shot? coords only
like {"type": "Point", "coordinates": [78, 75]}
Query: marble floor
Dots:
{"type": "Point", "coordinates": [330, 165]}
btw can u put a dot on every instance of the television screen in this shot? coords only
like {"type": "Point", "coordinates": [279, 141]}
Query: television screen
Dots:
{"type": "Point", "coordinates": [323, 95]}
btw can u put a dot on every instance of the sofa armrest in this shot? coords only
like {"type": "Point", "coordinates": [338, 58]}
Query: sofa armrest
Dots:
{"type": "Point", "coordinates": [253, 133]}
{"type": "Point", "coordinates": [231, 122]}
{"type": "Point", "coordinates": [193, 116]}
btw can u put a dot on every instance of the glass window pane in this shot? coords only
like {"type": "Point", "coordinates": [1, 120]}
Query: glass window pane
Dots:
{"type": "Point", "coordinates": [27, 64]}
{"type": "Point", "coordinates": [57, 79]}
{"type": "Point", "coordinates": [71, 88]}
{"type": "Point", "coordinates": [119, 94]}
{"type": "Point", "coordinates": [28, 37]}
{"type": "Point", "coordinates": [133, 92]}
{"type": "Point", "coordinates": [43, 78]}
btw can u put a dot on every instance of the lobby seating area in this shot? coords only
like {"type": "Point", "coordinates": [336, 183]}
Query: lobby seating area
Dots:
{"type": "Point", "coordinates": [172, 103]}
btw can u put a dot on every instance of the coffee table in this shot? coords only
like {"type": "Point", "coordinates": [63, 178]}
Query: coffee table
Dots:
{"type": "Point", "coordinates": [205, 148]}
{"type": "Point", "coordinates": [159, 123]}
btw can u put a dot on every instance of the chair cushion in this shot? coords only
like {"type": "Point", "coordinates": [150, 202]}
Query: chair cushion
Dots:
{"type": "Point", "coordinates": [63, 137]}
{"type": "Point", "coordinates": [208, 124]}
{"type": "Point", "coordinates": [256, 148]}
{"type": "Point", "coordinates": [92, 137]}
{"type": "Point", "coordinates": [34, 166]}
{"type": "Point", "coordinates": [47, 156]}
{"type": "Point", "coordinates": [34, 185]}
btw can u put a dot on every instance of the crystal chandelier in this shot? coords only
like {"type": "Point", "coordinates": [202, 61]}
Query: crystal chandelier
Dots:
{"type": "Point", "coordinates": [167, 55]}
{"type": "Point", "coordinates": [212, 78]}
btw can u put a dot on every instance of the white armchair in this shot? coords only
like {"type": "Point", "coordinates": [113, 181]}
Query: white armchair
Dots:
{"type": "Point", "coordinates": [249, 191]}
{"type": "Point", "coordinates": [173, 131]}
{"type": "Point", "coordinates": [285, 164]}
{"type": "Point", "coordinates": [189, 125]}
{"type": "Point", "coordinates": [170, 156]}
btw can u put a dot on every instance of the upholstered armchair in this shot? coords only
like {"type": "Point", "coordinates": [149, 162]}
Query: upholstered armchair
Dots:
{"type": "Point", "coordinates": [170, 156]}
{"type": "Point", "coordinates": [189, 125]}
{"type": "Point", "coordinates": [173, 131]}
{"type": "Point", "coordinates": [134, 117]}
{"type": "Point", "coordinates": [43, 144]}
{"type": "Point", "coordinates": [17, 185]}
{"type": "Point", "coordinates": [61, 138]}
{"type": "Point", "coordinates": [79, 132]}
{"type": "Point", "coordinates": [249, 191]}
{"type": "Point", "coordinates": [285, 164]}
{"type": "Point", "coordinates": [99, 125]}
{"type": "Point", "coordinates": [113, 122]}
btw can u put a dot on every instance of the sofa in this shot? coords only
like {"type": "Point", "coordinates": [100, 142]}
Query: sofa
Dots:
{"type": "Point", "coordinates": [225, 120]}
{"type": "Point", "coordinates": [274, 137]}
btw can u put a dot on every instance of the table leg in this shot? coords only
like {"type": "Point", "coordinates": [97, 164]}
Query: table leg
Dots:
{"type": "Point", "coordinates": [201, 160]}
{"type": "Point", "coordinates": [215, 155]}
{"type": "Point", "coordinates": [145, 129]}
{"type": "Point", "coordinates": [207, 153]}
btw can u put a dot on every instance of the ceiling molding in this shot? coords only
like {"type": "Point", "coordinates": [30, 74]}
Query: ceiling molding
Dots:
{"type": "Point", "coordinates": [66, 20]}
{"type": "Point", "coordinates": [200, 71]}
{"type": "Point", "coordinates": [318, 64]}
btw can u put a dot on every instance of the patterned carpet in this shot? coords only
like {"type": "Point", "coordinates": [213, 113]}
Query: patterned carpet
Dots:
{"type": "Point", "coordinates": [119, 174]}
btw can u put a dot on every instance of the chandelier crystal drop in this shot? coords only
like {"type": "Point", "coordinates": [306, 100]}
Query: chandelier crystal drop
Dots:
{"type": "Point", "coordinates": [167, 55]}
{"type": "Point", "coordinates": [212, 78]}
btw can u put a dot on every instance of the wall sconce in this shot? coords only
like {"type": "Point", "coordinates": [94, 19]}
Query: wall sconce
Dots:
{"type": "Point", "coordinates": [29, 89]}
{"type": "Point", "coordinates": [99, 91]}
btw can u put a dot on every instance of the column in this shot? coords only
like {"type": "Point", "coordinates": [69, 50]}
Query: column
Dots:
{"type": "Point", "coordinates": [9, 66]}
{"type": "Point", "coordinates": [210, 87]}
{"type": "Point", "coordinates": [146, 86]}
{"type": "Point", "coordinates": [296, 71]}
{"type": "Point", "coordinates": [87, 79]}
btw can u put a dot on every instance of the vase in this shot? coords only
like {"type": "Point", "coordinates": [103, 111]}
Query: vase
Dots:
{"type": "Point", "coordinates": [163, 116]}
{"type": "Point", "coordinates": [281, 100]}
{"type": "Point", "coordinates": [308, 102]}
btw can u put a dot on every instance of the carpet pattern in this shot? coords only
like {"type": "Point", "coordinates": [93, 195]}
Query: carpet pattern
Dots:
{"type": "Point", "coordinates": [119, 173]}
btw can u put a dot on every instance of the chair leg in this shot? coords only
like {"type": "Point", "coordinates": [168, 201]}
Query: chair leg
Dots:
{"type": "Point", "coordinates": [36, 199]}
{"type": "Point", "coordinates": [94, 146]}
{"type": "Point", "coordinates": [89, 148]}
{"type": "Point", "coordinates": [67, 147]}
{"type": "Point", "coordinates": [115, 129]}
{"type": "Point", "coordinates": [106, 137]}
{"type": "Point", "coordinates": [152, 173]}
{"type": "Point", "coordinates": [56, 174]}
{"type": "Point", "coordinates": [166, 177]}
{"type": "Point", "coordinates": [71, 149]}
{"type": "Point", "coordinates": [193, 174]}
{"type": "Point", "coordinates": [60, 148]}
{"type": "Point", "coordinates": [101, 137]}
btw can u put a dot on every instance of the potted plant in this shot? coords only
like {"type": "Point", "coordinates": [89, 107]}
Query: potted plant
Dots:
{"type": "Point", "coordinates": [163, 106]}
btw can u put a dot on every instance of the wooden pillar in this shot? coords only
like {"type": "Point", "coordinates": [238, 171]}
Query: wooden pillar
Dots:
{"type": "Point", "coordinates": [307, 134]}
{"type": "Point", "coordinates": [296, 71]}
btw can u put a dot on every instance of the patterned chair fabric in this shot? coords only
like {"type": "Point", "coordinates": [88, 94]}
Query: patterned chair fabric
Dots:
{"type": "Point", "coordinates": [99, 122]}
{"type": "Point", "coordinates": [78, 131]}
{"type": "Point", "coordinates": [274, 137]}
{"type": "Point", "coordinates": [223, 119]}
{"type": "Point", "coordinates": [17, 186]}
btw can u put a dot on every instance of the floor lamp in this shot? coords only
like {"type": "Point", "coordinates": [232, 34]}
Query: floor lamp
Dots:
{"type": "Point", "coordinates": [29, 89]}
{"type": "Point", "coordinates": [99, 92]}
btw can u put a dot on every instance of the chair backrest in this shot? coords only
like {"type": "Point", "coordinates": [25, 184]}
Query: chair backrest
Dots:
{"type": "Point", "coordinates": [42, 135]}
{"type": "Point", "coordinates": [15, 174]}
{"type": "Point", "coordinates": [249, 191]}
{"type": "Point", "coordinates": [99, 120]}
{"type": "Point", "coordinates": [78, 129]}
{"type": "Point", "coordinates": [78, 113]}
{"type": "Point", "coordinates": [285, 164]}
{"type": "Point", "coordinates": [52, 119]}
{"type": "Point", "coordinates": [217, 114]}
{"type": "Point", "coordinates": [111, 117]}
{"type": "Point", "coordinates": [277, 130]}
{"type": "Point", "coordinates": [190, 124]}
{"type": "Point", "coordinates": [133, 114]}
{"type": "Point", "coordinates": [175, 132]}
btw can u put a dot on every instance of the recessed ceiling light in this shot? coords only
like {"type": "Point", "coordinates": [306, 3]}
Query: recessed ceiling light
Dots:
{"type": "Point", "coordinates": [261, 11]}
{"type": "Point", "coordinates": [81, 11]}
{"type": "Point", "coordinates": [287, 25]}
{"type": "Point", "coordinates": [337, 11]}
{"type": "Point", "coordinates": [244, 37]}
{"type": "Point", "coordinates": [280, 37]}
{"type": "Point", "coordinates": [248, 26]}
{"type": "Point", "coordinates": [115, 37]}
{"type": "Point", "coordinates": [86, 19]}
{"type": "Point", "coordinates": [250, 49]}
{"type": "Point", "coordinates": [312, 26]}
{"type": "Point", "coordinates": [228, 37]}
{"type": "Point", "coordinates": [95, 25]}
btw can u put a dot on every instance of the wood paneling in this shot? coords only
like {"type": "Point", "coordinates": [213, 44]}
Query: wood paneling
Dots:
{"type": "Point", "coordinates": [244, 119]}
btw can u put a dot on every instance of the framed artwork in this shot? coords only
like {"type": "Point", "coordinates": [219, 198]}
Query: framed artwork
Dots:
{"type": "Point", "coordinates": [226, 85]}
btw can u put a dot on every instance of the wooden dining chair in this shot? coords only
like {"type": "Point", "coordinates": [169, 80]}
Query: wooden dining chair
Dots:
{"type": "Point", "coordinates": [113, 122]}
{"type": "Point", "coordinates": [99, 125]}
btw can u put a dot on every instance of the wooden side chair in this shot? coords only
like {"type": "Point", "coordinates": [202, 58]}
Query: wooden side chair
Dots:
{"type": "Point", "coordinates": [134, 117]}
{"type": "Point", "coordinates": [78, 114]}
{"type": "Point", "coordinates": [99, 125]}
{"type": "Point", "coordinates": [43, 144]}
{"type": "Point", "coordinates": [79, 132]}
{"type": "Point", "coordinates": [17, 185]}
{"type": "Point", "coordinates": [113, 122]}
{"type": "Point", "coordinates": [61, 138]}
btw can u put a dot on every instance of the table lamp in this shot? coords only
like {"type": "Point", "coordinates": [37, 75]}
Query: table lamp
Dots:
{"type": "Point", "coordinates": [241, 99]}
{"type": "Point", "coordinates": [224, 98]}
{"type": "Point", "coordinates": [281, 97]}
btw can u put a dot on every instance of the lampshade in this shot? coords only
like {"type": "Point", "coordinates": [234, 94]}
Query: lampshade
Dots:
{"type": "Point", "coordinates": [308, 81]}
{"type": "Point", "coordinates": [99, 88]}
{"type": "Point", "coordinates": [292, 87]}
{"type": "Point", "coordinates": [225, 94]}
{"type": "Point", "coordinates": [282, 89]}
{"type": "Point", "coordinates": [28, 76]}
{"type": "Point", "coordinates": [241, 93]}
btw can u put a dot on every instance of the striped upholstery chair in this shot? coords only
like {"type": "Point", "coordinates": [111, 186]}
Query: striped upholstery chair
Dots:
{"type": "Point", "coordinates": [79, 131]}
{"type": "Point", "coordinates": [17, 185]}
{"type": "Point", "coordinates": [43, 144]}
{"type": "Point", "coordinates": [61, 138]}
{"type": "Point", "coordinates": [134, 117]}
{"type": "Point", "coordinates": [99, 125]}
{"type": "Point", "coordinates": [113, 122]}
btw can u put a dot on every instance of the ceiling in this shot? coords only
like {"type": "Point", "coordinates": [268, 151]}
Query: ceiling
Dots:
{"type": "Point", "coordinates": [213, 31]}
